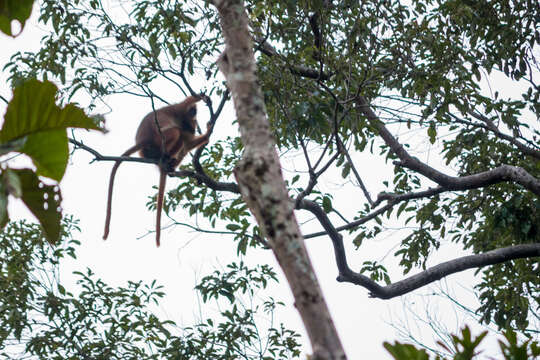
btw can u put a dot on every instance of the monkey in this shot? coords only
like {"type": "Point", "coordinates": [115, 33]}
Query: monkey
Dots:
{"type": "Point", "coordinates": [169, 144]}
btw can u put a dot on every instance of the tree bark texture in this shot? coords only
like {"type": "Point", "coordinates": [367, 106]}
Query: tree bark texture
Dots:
{"type": "Point", "coordinates": [261, 182]}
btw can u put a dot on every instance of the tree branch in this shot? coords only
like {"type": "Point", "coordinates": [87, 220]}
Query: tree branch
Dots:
{"type": "Point", "coordinates": [442, 270]}
{"type": "Point", "coordinates": [99, 157]}
{"type": "Point", "coordinates": [499, 174]}
{"type": "Point", "coordinates": [262, 185]}
{"type": "Point", "coordinates": [352, 224]}
{"type": "Point", "coordinates": [330, 230]}
{"type": "Point", "coordinates": [201, 177]}
{"type": "Point", "coordinates": [355, 172]}
{"type": "Point", "coordinates": [299, 70]}
{"type": "Point", "coordinates": [208, 181]}
{"type": "Point", "coordinates": [414, 282]}
{"type": "Point", "coordinates": [493, 128]}
{"type": "Point", "coordinates": [213, 118]}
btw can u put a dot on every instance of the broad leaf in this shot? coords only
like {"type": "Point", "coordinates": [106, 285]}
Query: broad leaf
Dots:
{"type": "Point", "coordinates": [43, 201]}
{"type": "Point", "coordinates": [4, 216]}
{"type": "Point", "coordinates": [11, 146]}
{"type": "Point", "coordinates": [33, 113]}
{"type": "Point", "coordinates": [53, 161]}
{"type": "Point", "coordinates": [14, 10]}
{"type": "Point", "coordinates": [11, 182]}
{"type": "Point", "coordinates": [33, 109]}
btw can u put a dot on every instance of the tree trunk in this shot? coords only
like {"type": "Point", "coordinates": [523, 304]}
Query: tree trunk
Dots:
{"type": "Point", "coordinates": [262, 185]}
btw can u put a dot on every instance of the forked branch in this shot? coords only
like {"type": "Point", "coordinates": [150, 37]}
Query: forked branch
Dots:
{"type": "Point", "coordinates": [502, 173]}
{"type": "Point", "coordinates": [425, 277]}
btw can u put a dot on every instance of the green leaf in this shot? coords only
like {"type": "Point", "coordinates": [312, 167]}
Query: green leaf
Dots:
{"type": "Point", "coordinates": [228, 295]}
{"type": "Point", "coordinates": [33, 109]}
{"type": "Point", "coordinates": [12, 183]}
{"type": "Point", "coordinates": [232, 227]}
{"type": "Point", "coordinates": [327, 205]}
{"type": "Point", "coordinates": [10, 146]}
{"type": "Point", "coordinates": [346, 170]}
{"type": "Point", "coordinates": [4, 216]}
{"type": "Point", "coordinates": [358, 239]}
{"type": "Point", "coordinates": [43, 201]}
{"type": "Point", "coordinates": [401, 208]}
{"type": "Point", "coordinates": [432, 132]}
{"type": "Point", "coordinates": [33, 113]}
{"type": "Point", "coordinates": [14, 10]}
{"type": "Point", "coordinates": [51, 163]}
{"type": "Point", "coordinates": [405, 351]}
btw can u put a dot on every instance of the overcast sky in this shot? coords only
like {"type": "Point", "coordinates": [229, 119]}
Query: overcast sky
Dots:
{"type": "Point", "coordinates": [185, 256]}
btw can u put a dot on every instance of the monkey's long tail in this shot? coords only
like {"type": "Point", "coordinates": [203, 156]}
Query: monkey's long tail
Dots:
{"type": "Point", "coordinates": [128, 152]}
{"type": "Point", "coordinates": [159, 205]}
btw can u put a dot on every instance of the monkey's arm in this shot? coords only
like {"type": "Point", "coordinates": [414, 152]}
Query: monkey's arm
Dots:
{"type": "Point", "coordinates": [190, 143]}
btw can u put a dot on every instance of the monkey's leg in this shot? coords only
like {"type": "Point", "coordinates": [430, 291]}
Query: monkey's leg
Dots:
{"type": "Point", "coordinates": [179, 157]}
{"type": "Point", "coordinates": [173, 144]}
{"type": "Point", "coordinates": [173, 141]}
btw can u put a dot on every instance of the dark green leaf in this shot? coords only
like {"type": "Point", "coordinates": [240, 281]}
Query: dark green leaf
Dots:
{"type": "Point", "coordinates": [346, 170]}
{"type": "Point", "coordinates": [51, 163]}
{"type": "Point", "coordinates": [43, 201]}
{"type": "Point", "coordinates": [11, 10]}
{"type": "Point", "coordinates": [432, 132]}
{"type": "Point", "coordinates": [232, 227]}
{"type": "Point", "coordinates": [12, 183]}
{"type": "Point", "coordinates": [34, 115]}
{"type": "Point", "coordinates": [33, 109]}
{"type": "Point", "coordinates": [4, 216]}
{"type": "Point", "coordinates": [327, 204]}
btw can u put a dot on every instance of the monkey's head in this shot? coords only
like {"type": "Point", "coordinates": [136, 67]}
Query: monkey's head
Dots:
{"type": "Point", "coordinates": [188, 120]}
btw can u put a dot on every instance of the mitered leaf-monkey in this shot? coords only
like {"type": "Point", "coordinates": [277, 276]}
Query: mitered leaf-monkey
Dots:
{"type": "Point", "coordinates": [169, 143]}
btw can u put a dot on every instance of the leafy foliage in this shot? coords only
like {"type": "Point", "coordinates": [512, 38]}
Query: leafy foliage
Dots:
{"type": "Point", "coordinates": [33, 122]}
{"type": "Point", "coordinates": [466, 348]}
{"type": "Point", "coordinates": [33, 114]}
{"type": "Point", "coordinates": [42, 200]}
{"type": "Point", "coordinates": [43, 318]}
{"type": "Point", "coordinates": [456, 82]}
{"type": "Point", "coordinates": [11, 10]}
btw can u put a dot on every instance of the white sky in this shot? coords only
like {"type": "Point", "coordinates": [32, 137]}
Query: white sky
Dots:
{"type": "Point", "coordinates": [185, 256]}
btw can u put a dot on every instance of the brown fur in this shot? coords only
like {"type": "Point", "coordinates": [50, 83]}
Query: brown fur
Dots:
{"type": "Point", "coordinates": [177, 124]}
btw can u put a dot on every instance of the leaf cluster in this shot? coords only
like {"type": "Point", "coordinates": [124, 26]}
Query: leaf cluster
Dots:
{"type": "Point", "coordinates": [466, 347]}
{"type": "Point", "coordinates": [35, 126]}
{"type": "Point", "coordinates": [45, 318]}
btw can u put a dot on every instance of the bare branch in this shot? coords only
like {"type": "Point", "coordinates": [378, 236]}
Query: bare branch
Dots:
{"type": "Point", "coordinates": [355, 172]}
{"type": "Point", "coordinates": [99, 157]}
{"type": "Point", "coordinates": [208, 181]}
{"type": "Point", "coordinates": [201, 177]}
{"type": "Point", "coordinates": [425, 277]}
{"type": "Point", "coordinates": [395, 198]}
{"type": "Point", "coordinates": [337, 239]}
{"type": "Point", "coordinates": [442, 270]}
{"type": "Point", "coordinates": [213, 118]}
{"type": "Point", "coordinates": [392, 199]}
{"type": "Point", "coordinates": [534, 152]}
{"type": "Point", "coordinates": [313, 178]}
{"type": "Point", "coordinates": [352, 224]}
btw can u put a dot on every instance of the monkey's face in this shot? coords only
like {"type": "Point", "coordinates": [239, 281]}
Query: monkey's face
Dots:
{"type": "Point", "coordinates": [188, 122]}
